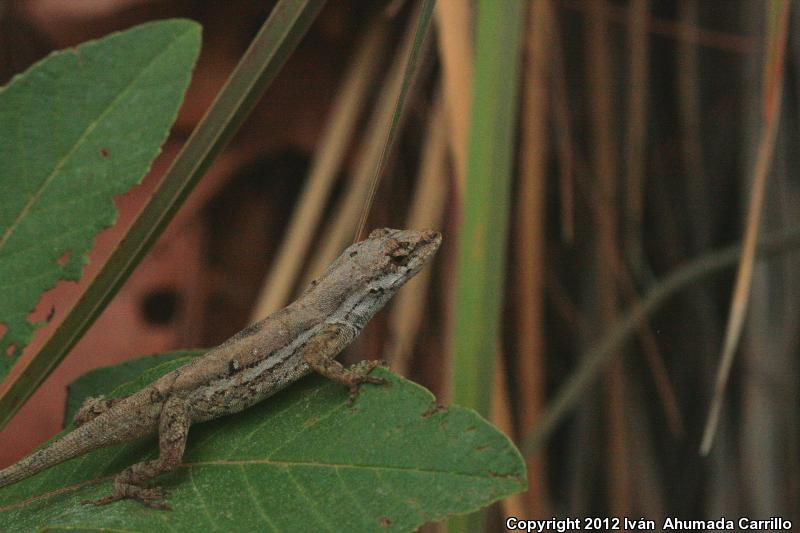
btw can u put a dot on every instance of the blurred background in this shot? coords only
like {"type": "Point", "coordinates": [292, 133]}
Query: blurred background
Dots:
{"type": "Point", "coordinates": [635, 137]}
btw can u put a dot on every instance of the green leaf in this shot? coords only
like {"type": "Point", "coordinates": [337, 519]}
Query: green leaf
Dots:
{"type": "Point", "coordinates": [76, 129]}
{"type": "Point", "coordinates": [278, 37]}
{"type": "Point", "coordinates": [302, 460]}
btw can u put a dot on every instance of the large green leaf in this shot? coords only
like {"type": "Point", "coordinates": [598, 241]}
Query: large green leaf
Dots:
{"type": "Point", "coordinates": [76, 129]}
{"type": "Point", "coordinates": [303, 460]}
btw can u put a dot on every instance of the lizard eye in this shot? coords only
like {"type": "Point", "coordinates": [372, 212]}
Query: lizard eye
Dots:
{"type": "Point", "coordinates": [400, 255]}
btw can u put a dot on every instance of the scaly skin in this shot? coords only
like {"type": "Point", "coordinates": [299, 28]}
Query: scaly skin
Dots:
{"type": "Point", "coordinates": [252, 365]}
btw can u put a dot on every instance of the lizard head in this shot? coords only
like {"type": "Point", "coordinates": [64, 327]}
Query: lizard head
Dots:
{"type": "Point", "coordinates": [369, 272]}
{"type": "Point", "coordinates": [386, 260]}
{"type": "Point", "coordinates": [398, 254]}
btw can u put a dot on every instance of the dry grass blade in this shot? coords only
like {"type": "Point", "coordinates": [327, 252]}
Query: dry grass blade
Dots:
{"type": "Point", "coordinates": [421, 23]}
{"type": "Point", "coordinates": [720, 40]}
{"type": "Point", "coordinates": [454, 34]}
{"type": "Point", "coordinates": [426, 211]}
{"type": "Point", "coordinates": [563, 130]}
{"type": "Point", "coordinates": [772, 89]}
{"type": "Point", "coordinates": [530, 248]}
{"type": "Point", "coordinates": [334, 142]}
{"type": "Point", "coordinates": [514, 505]}
{"type": "Point", "coordinates": [602, 210]}
{"type": "Point", "coordinates": [605, 166]}
{"type": "Point", "coordinates": [638, 45]}
{"type": "Point", "coordinates": [340, 230]}
{"type": "Point", "coordinates": [690, 113]}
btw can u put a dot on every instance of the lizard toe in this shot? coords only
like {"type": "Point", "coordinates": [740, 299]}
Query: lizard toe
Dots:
{"type": "Point", "coordinates": [104, 500]}
{"type": "Point", "coordinates": [154, 498]}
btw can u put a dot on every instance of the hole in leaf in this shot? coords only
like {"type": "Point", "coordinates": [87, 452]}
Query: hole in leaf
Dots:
{"type": "Point", "coordinates": [103, 152]}
{"type": "Point", "coordinates": [160, 306]}
{"type": "Point", "coordinates": [3, 329]}
{"type": "Point", "coordinates": [10, 349]}
{"type": "Point", "coordinates": [64, 259]}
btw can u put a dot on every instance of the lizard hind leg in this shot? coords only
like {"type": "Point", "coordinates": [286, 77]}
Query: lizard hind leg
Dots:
{"type": "Point", "coordinates": [93, 407]}
{"type": "Point", "coordinates": [172, 432]}
{"type": "Point", "coordinates": [320, 353]}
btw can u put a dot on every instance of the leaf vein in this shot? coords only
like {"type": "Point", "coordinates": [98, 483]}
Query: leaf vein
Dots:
{"type": "Point", "coordinates": [388, 468]}
{"type": "Point", "coordinates": [334, 410]}
{"type": "Point", "coordinates": [400, 501]}
{"type": "Point", "coordinates": [266, 422]}
{"type": "Point", "coordinates": [256, 503]}
{"type": "Point", "coordinates": [346, 490]}
{"type": "Point", "coordinates": [311, 503]}
{"type": "Point", "coordinates": [200, 498]}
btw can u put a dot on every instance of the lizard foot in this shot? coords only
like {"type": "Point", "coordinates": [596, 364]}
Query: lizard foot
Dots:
{"type": "Point", "coordinates": [149, 497]}
{"type": "Point", "coordinates": [359, 374]}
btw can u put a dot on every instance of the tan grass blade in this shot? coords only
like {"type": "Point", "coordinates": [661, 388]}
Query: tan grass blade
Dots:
{"type": "Point", "coordinates": [426, 211]}
{"type": "Point", "coordinates": [773, 86]}
{"type": "Point", "coordinates": [514, 505]}
{"type": "Point", "coordinates": [602, 210]}
{"type": "Point", "coordinates": [455, 42]}
{"type": "Point", "coordinates": [561, 124]}
{"type": "Point", "coordinates": [339, 231]}
{"type": "Point", "coordinates": [334, 142]}
{"type": "Point", "coordinates": [605, 167]}
{"type": "Point", "coordinates": [719, 40]}
{"type": "Point", "coordinates": [636, 116]}
{"type": "Point", "coordinates": [421, 23]}
{"type": "Point", "coordinates": [530, 247]}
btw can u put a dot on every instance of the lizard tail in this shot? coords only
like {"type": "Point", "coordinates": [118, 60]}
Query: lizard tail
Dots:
{"type": "Point", "coordinates": [79, 441]}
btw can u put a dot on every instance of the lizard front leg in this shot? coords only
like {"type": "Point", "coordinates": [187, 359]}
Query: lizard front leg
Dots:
{"type": "Point", "coordinates": [173, 429]}
{"type": "Point", "coordinates": [320, 353]}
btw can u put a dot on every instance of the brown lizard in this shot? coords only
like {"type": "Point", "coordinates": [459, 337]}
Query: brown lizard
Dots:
{"type": "Point", "coordinates": [252, 365]}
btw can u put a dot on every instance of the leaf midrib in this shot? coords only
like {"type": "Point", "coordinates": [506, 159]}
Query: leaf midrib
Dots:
{"type": "Point", "coordinates": [271, 462]}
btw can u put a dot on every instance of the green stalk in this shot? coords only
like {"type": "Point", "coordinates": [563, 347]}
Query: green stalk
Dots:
{"type": "Point", "coordinates": [486, 209]}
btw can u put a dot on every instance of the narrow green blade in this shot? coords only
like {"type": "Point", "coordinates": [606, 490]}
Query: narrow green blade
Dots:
{"type": "Point", "coordinates": [486, 209]}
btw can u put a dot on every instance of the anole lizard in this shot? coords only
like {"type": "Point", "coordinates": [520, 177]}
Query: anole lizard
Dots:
{"type": "Point", "coordinates": [252, 365]}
